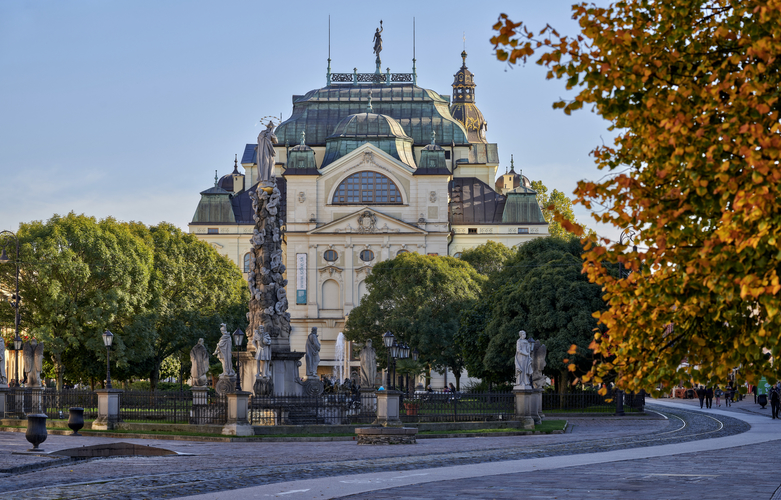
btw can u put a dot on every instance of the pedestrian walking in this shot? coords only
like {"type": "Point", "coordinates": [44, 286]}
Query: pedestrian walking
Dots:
{"type": "Point", "coordinates": [709, 397]}
{"type": "Point", "coordinates": [754, 391]}
{"type": "Point", "coordinates": [775, 400]}
{"type": "Point", "coordinates": [728, 392]}
{"type": "Point", "coordinates": [718, 393]}
{"type": "Point", "coordinates": [701, 395]}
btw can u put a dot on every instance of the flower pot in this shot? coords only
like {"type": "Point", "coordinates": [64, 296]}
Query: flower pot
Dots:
{"type": "Point", "coordinates": [76, 420]}
{"type": "Point", "coordinates": [36, 430]}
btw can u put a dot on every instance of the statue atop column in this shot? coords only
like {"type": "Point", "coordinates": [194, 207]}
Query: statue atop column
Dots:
{"type": "Point", "coordinates": [33, 362]}
{"type": "Point", "coordinates": [523, 368]}
{"type": "Point", "coordinates": [368, 365]}
{"type": "Point", "coordinates": [378, 45]}
{"type": "Point", "coordinates": [266, 154]}
{"type": "Point", "coordinates": [199, 357]}
{"type": "Point", "coordinates": [312, 353]}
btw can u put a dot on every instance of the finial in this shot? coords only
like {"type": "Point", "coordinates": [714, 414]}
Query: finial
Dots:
{"type": "Point", "coordinates": [369, 103]}
{"type": "Point", "coordinates": [433, 138]}
{"type": "Point", "coordinates": [463, 58]}
{"type": "Point", "coordinates": [215, 178]}
{"type": "Point", "coordinates": [235, 164]}
{"type": "Point", "coordinates": [303, 138]}
{"type": "Point", "coordinates": [512, 164]}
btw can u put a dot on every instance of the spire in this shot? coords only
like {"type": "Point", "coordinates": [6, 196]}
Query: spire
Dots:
{"type": "Point", "coordinates": [235, 164]}
{"type": "Point", "coordinates": [512, 164]}
{"type": "Point", "coordinates": [433, 138]}
{"type": "Point", "coordinates": [369, 104]}
{"type": "Point", "coordinates": [463, 59]}
{"type": "Point", "coordinates": [303, 138]}
{"type": "Point", "coordinates": [215, 178]}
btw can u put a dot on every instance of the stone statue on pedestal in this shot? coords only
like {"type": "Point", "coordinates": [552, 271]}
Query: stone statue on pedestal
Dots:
{"type": "Point", "coordinates": [33, 362]}
{"type": "Point", "coordinates": [199, 357]}
{"type": "Point", "coordinates": [368, 365]}
{"type": "Point", "coordinates": [262, 343]}
{"type": "Point", "coordinates": [266, 153]}
{"type": "Point", "coordinates": [224, 352]}
{"type": "Point", "coordinates": [523, 368]}
{"type": "Point", "coordinates": [3, 376]}
{"type": "Point", "coordinates": [312, 353]}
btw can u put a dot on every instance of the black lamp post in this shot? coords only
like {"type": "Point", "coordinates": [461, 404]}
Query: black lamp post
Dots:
{"type": "Point", "coordinates": [238, 338]}
{"type": "Point", "coordinates": [16, 300]}
{"type": "Point", "coordinates": [387, 339]}
{"type": "Point", "coordinates": [628, 236]}
{"type": "Point", "coordinates": [108, 338]}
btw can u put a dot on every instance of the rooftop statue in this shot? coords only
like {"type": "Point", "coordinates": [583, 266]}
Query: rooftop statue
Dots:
{"type": "Point", "coordinates": [378, 41]}
{"type": "Point", "coordinates": [266, 153]}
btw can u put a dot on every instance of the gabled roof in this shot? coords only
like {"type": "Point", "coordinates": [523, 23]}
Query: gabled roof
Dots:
{"type": "Point", "coordinates": [384, 224]}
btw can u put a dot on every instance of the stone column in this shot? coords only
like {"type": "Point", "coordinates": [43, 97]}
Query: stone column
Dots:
{"type": "Point", "coordinates": [528, 404]}
{"type": "Point", "coordinates": [108, 410]}
{"type": "Point", "coordinates": [238, 410]}
{"type": "Point", "coordinates": [388, 409]}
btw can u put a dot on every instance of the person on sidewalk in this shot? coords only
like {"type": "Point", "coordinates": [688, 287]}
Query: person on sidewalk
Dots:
{"type": "Point", "coordinates": [718, 393]}
{"type": "Point", "coordinates": [709, 397]}
{"type": "Point", "coordinates": [701, 395]}
{"type": "Point", "coordinates": [728, 396]}
{"type": "Point", "coordinates": [775, 400]}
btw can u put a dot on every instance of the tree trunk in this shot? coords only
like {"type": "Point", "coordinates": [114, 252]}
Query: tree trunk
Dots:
{"type": "Point", "coordinates": [457, 375]}
{"type": "Point", "coordinates": [154, 377]}
{"type": "Point", "coordinates": [58, 369]}
{"type": "Point", "coordinates": [561, 387]}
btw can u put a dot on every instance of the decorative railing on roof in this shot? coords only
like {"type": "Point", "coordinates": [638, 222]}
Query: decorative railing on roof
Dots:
{"type": "Point", "coordinates": [387, 78]}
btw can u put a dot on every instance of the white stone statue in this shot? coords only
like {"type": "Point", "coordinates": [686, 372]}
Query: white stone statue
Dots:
{"type": "Point", "coordinates": [262, 342]}
{"type": "Point", "coordinates": [312, 353]}
{"type": "Point", "coordinates": [199, 356]}
{"type": "Point", "coordinates": [368, 365]}
{"type": "Point", "coordinates": [33, 362]}
{"type": "Point", "coordinates": [224, 352]}
{"type": "Point", "coordinates": [3, 376]}
{"type": "Point", "coordinates": [523, 365]}
{"type": "Point", "coordinates": [266, 153]}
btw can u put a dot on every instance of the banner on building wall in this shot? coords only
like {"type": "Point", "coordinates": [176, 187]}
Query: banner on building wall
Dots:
{"type": "Point", "coordinates": [300, 278]}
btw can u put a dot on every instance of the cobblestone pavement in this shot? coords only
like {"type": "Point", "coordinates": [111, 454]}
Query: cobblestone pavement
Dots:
{"type": "Point", "coordinates": [266, 463]}
{"type": "Point", "coordinates": [742, 473]}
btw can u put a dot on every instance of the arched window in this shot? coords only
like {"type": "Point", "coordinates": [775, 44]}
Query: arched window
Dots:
{"type": "Point", "coordinates": [367, 188]}
{"type": "Point", "coordinates": [330, 255]}
{"type": "Point", "coordinates": [332, 295]}
{"type": "Point", "coordinates": [246, 262]}
{"type": "Point", "coordinates": [402, 251]}
{"type": "Point", "coordinates": [367, 255]}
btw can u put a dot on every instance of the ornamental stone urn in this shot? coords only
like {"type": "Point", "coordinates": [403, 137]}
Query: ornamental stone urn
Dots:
{"type": "Point", "coordinates": [76, 420]}
{"type": "Point", "coordinates": [36, 430]}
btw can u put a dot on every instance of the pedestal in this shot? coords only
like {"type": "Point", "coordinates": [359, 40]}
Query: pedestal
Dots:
{"type": "Point", "coordinates": [198, 413]}
{"type": "Point", "coordinates": [284, 373]}
{"type": "Point", "coordinates": [108, 410]}
{"type": "Point", "coordinates": [388, 409]}
{"type": "Point", "coordinates": [528, 404]}
{"type": "Point", "coordinates": [3, 404]}
{"type": "Point", "coordinates": [226, 384]}
{"type": "Point", "coordinates": [238, 409]}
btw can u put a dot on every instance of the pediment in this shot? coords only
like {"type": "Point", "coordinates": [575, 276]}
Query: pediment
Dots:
{"type": "Point", "coordinates": [368, 220]}
{"type": "Point", "coordinates": [366, 154]}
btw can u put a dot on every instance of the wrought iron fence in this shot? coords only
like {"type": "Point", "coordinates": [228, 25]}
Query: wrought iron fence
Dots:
{"type": "Point", "coordinates": [326, 409]}
{"type": "Point", "coordinates": [209, 409]}
{"type": "Point", "coordinates": [156, 406]}
{"type": "Point", "coordinates": [590, 402]}
{"type": "Point", "coordinates": [55, 404]}
{"type": "Point", "coordinates": [457, 407]}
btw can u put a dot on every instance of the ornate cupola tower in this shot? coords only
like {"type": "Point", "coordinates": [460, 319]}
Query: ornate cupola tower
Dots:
{"type": "Point", "coordinates": [463, 108]}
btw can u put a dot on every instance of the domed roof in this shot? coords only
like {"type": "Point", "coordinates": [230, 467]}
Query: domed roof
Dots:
{"type": "Point", "coordinates": [368, 126]}
{"type": "Point", "coordinates": [512, 180]}
{"type": "Point", "coordinates": [463, 108]}
{"type": "Point", "coordinates": [226, 181]}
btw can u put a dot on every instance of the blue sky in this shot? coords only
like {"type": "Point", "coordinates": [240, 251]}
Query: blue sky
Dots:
{"type": "Point", "coordinates": [126, 108]}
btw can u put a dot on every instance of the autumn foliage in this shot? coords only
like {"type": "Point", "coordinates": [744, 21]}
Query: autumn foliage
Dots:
{"type": "Point", "coordinates": [692, 88]}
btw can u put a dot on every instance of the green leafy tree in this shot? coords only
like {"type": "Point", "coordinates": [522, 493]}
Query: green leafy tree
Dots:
{"type": "Point", "coordinates": [691, 88]}
{"type": "Point", "coordinates": [541, 290]}
{"type": "Point", "coordinates": [419, 298]}
{"type": "Point", "coordinates": [555, 202]}
{"type": "Point", "coordinates": [487, 258]}
{"type": "Point", "coordinates": [80, 277]}
{"type": "Point", "coordinates": [192, 290]}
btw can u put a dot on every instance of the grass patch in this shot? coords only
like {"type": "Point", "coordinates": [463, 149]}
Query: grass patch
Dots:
{"type": "Point", "coordinates": [551, 425]}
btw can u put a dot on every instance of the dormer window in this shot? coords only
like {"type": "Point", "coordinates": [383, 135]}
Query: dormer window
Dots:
{"type": "Point", "coordinates": [367, 188]}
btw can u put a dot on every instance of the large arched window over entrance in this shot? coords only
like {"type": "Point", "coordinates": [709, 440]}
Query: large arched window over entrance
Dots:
{"type": "Point", "coordinates": [365, 188]}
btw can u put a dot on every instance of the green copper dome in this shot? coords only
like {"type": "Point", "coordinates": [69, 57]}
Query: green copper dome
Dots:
{"type": "Point", "coordinates": [380, 130]}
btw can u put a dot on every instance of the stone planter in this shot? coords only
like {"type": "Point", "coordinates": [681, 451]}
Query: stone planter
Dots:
{"type": "Point", "coordinates": [36, 430]}
{"type": "Point", "coordinates": [76, 420]}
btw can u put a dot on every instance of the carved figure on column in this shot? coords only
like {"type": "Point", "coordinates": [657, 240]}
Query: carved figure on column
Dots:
{"type": "Point", "coordinates": [199, 357]}
{"type": "Point", "coordinates": [33, 362]}
{"type": "Point", "coordinates": [224, 352]}
{"type": "Point", "coordinates": [312, 353]}
{"type": "Point", "coordinates": [262, 343]}
{"type": "Point", "coordinates": [266, 153]}
{"type": "Point", "coordinates": [523, 368]}
{"type": "Point", "coordinates": [368, 365]}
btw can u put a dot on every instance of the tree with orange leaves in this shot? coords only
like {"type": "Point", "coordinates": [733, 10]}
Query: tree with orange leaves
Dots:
{"type": "Point", "coordinates": [692, 87]}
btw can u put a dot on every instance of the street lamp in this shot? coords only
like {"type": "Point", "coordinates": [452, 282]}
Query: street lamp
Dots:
{"type": "Point", "coordinates": [387, 339]}
{"type": "Point", "coordinates": [108, 338]}
{"type": "Point", "coordinates": [16, 302]}
{"type": "Point", "coordinates": [238, 338]}
{"type": "Point", "coordinates": [627, 235]}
